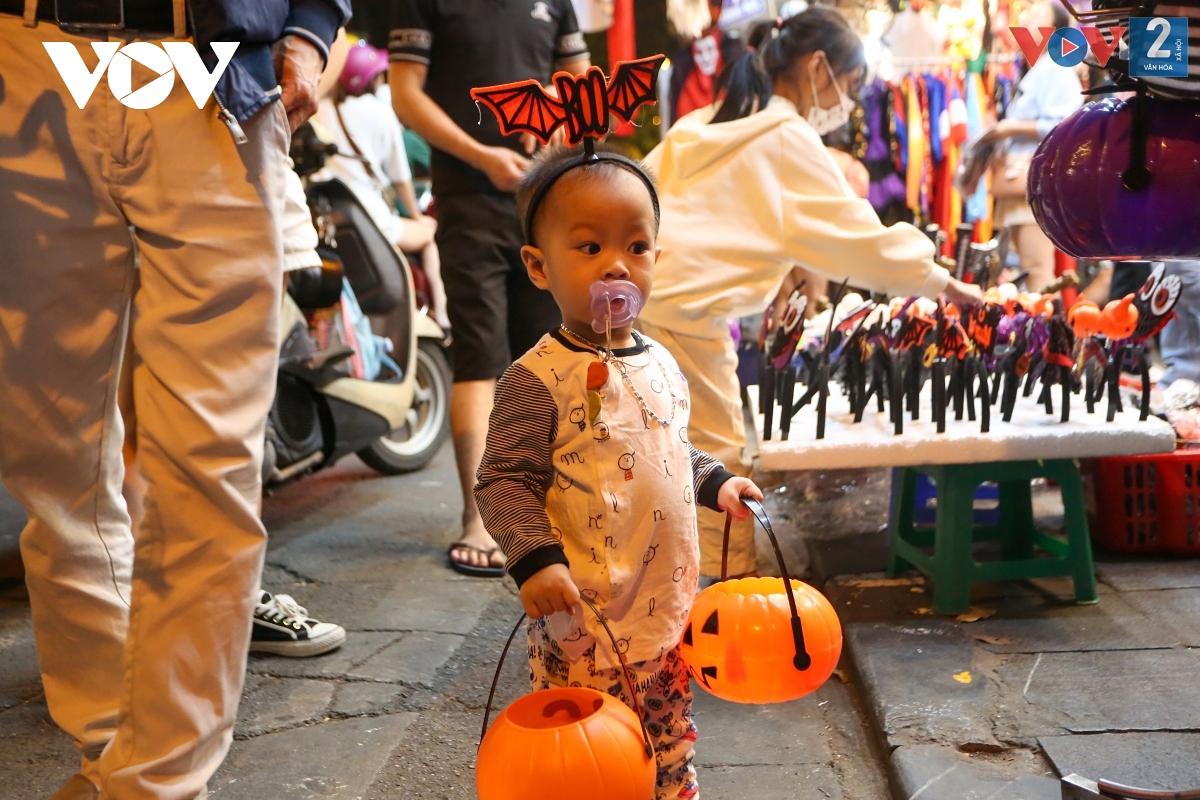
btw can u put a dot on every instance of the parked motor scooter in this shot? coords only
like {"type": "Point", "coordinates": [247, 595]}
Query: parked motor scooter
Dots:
{"type": "Point", "coordinates": [395, 422]}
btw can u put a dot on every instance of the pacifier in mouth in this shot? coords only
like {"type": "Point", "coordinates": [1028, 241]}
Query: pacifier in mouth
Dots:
{"type": "Point", "coordinates": [614, 304]}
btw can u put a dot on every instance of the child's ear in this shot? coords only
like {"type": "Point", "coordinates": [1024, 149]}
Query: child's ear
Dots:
{"type": "Point", "coordinates": [657, 253]}
{"type": "Point", "coordinates": [535, 265]}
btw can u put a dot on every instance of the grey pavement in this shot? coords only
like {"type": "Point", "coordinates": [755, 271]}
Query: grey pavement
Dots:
{"type": "Point", "coordinates": [1037, 687]}
{"type": "Point", "coordinates": [396, 712]}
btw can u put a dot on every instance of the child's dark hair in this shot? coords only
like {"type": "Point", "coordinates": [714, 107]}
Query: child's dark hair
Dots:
{"type": "Point", "coordinates": [776, 48]}
{"type": "Point", "coordinates": [551, 163]}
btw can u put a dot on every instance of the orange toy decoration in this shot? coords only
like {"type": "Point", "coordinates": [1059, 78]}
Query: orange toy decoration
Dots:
{"type": "Point", "coordinates": [1119, 319]}
{"type": "Point", "coordinates": [761, 640]}
{"type": "Point", "coordinates": [583, 104]}
{"type": "Point", "coordinates": [577, 743]}
{"type": "Point", "coordinates": [1084, 318]}
{"type": "Point", "coordinates": [573, 742]}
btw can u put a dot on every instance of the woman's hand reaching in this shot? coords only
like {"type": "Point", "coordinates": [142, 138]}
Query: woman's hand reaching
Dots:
{"type": "Point", "coordinates": [963, 294]}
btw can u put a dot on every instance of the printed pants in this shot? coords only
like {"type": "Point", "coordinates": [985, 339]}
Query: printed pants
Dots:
{"type": "Point", "coordinates": [662, 689]}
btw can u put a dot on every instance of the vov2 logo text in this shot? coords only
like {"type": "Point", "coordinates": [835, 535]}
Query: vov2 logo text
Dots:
{"type": "Point", "coordinates": [165, 60]}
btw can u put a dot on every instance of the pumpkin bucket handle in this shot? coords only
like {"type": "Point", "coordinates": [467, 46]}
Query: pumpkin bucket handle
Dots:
{"type": "Point", "coordinates": [637, 707]}
{"type": "Point", "coordinates": [803, 660]}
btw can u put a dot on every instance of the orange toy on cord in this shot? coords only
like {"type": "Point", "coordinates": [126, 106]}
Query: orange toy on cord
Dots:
{"type": "Point", "coordinates": [571, 742]}
{"type": "Point", "coordinates": [754, 641]}
{"type": "Point", "coordinates": [1084, 318]}
{"type": "Point", "coordinates": [1119, 318]}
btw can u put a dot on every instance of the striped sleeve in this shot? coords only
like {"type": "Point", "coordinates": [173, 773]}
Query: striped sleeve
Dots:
{"type": "Point", "coordinates": [411, 36]}
{"type": "Point", "coordinates": [708, 476]}
{"type": "Point", "coordinates": [517, 471]}
{"type": "Point", "coordinates": [569, 44]}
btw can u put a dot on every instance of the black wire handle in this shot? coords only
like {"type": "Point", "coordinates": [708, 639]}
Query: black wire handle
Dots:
{"type": "Point", "coordinates": [803, 660]}
{"type": "Point", "coordinates": [637, 707]}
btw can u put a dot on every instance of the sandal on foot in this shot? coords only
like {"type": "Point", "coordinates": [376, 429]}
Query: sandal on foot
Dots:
{"type": "Point", "coordinates": [470, 569]}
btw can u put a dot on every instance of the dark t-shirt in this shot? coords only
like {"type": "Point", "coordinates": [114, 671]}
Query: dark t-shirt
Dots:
{"type": "Point", "coordinates": [472, 43]}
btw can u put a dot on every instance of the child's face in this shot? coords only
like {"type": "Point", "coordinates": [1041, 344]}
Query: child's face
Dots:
{"type": "Point", "coordinates": [594, 225]}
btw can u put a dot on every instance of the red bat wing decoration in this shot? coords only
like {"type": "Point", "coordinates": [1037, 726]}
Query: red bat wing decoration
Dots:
{"type": "Point", "coordinates": [633, 84]}
{"type": "Point", "coordinates": [523, 107]}
{"type": "Point", "coordinates": [583, 104]}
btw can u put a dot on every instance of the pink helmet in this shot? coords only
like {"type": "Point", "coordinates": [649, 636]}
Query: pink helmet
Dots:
{"type": "Point", "coordinates": [363, 63]}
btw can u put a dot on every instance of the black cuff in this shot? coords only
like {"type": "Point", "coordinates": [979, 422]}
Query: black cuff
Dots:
{"type": "Point", "coordinates": [537, 560]}
{"type": "Point", "coordinates": [706, 495]}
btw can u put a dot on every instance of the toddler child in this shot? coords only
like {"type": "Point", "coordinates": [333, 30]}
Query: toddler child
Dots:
{"type": "Point", "coordinates": [588, 480]}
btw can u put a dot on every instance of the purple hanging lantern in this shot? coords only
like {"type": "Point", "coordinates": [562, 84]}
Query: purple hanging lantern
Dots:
{"type": "Point", "coordinates": [1116, 181]}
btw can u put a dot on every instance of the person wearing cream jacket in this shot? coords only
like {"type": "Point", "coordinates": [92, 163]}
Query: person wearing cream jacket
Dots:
{"type": "Point", "coordinates": [747, 192]}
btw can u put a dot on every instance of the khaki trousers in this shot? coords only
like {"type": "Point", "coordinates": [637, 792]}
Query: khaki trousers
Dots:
{"type": "Point", "coordinates": [142, 621]}
{"type": "Point", "coordinates": [715, 426]}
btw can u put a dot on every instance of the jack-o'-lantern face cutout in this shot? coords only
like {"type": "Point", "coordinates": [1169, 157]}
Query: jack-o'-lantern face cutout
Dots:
{"type": "Point", "coordinates": [738, 642]}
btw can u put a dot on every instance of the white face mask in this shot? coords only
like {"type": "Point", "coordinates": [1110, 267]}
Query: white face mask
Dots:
{"type": "Point", "coordinates": [827, 120]}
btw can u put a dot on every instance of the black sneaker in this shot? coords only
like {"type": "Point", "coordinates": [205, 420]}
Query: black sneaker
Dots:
{"type": "Point", "coordinates": [282, 627]}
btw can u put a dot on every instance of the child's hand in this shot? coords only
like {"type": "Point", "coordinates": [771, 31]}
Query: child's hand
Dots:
{"type": "Point", "coordinates": [550, 589]}
{"type": "Point", "coordinates": [729, 496]}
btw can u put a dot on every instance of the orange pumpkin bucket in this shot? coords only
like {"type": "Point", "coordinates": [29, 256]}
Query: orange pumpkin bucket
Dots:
{"type": "Point", "coordinates": [565, 742]}
{"type": "Point", "coordinates": [761, 640]}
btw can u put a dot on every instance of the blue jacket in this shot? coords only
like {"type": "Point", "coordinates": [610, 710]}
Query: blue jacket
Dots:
{"type": "Point", "coordinates": [249, 83]}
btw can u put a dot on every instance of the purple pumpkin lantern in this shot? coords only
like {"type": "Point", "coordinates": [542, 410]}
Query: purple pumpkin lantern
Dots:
{"type": "Point", "coordinates": [1094, 199]}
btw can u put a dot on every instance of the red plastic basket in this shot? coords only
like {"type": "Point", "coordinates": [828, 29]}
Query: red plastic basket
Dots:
{"type": "Point", "coordinates": [1148, 504]}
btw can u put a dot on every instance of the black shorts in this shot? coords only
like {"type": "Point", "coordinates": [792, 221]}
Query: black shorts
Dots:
{"type": "Point", "coordinates": [496, 314]}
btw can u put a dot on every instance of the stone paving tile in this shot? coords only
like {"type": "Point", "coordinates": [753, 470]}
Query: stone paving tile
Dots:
{"type": "Point", "coordinates": [935, 772]}
{"type": "Point", "coordinates": [1109, 691]}
{"type": "Point", "coordinates": [358, 648]}
{"type": "Point", "coordinates": [1147, 575]}
{"type": "Point", "coordinates": [435, 759]}
{"type": "Point", "coordinates": [426, 599]}
{"type": "Point", "coordinates": [1112, 624]}
{"type": "Point", "coordinates": [936, 707]}
{"type": "Point", "coordinates": [19, 675]}
{"type": "Point", "coordinates": [274, 703]}
{"type": "Point", "coordinates": [361, 698]}
{"type": "Point", "coordinates": [355, 552]}
{"type": "Point", "coordinates": [443, 604]}
{"type": "Point", "coordinates": [789, 782]}
{"type": "Point", "coordinates": [336, 759]}
{"type": "Point", "coordinates": [1162, 761]}
{"type": "Point", "coordinates": [1179, 610]}
{"type": "Point", "coordinates": [414, 660]}
{"type": "Point", "coordinates": [732, 734]}
{"type": "Point", "coordinates": [34, 753]}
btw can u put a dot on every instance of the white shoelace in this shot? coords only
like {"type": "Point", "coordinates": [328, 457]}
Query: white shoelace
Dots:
{"type": "Point", "coordinates": [286, 605]}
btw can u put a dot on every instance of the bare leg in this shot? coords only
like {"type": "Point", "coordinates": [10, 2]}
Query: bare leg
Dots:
{"type": "Point", "coordinates": [431, 262]}
{"type": "Point", "coordinates": [1100, 289]}
{"type": "Point", "coordinates": [470, 406]}
{"type": "Point", "coordinates": [1037, 255]}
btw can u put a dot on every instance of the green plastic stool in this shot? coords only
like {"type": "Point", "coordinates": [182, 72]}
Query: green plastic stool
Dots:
{"type": "Point", "coordinates": [952, 566]}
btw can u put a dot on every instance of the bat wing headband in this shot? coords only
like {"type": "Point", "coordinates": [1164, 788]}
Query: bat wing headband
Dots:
{"type": "Point", "coordinates": [583, 106]}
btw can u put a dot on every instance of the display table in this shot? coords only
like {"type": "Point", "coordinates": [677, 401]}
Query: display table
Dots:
{"type": "Point", "coordinates": [1032, 434]}
{"type": "Point", "coordinates": [1034, 444]}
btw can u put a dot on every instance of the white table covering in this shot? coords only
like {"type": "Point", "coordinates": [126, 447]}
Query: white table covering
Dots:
{"type": "Point", "coordinates": [1032, 434]}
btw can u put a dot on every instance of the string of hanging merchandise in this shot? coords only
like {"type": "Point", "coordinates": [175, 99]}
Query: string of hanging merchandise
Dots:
{"type": "Point", "coordinates": [920, 61]}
